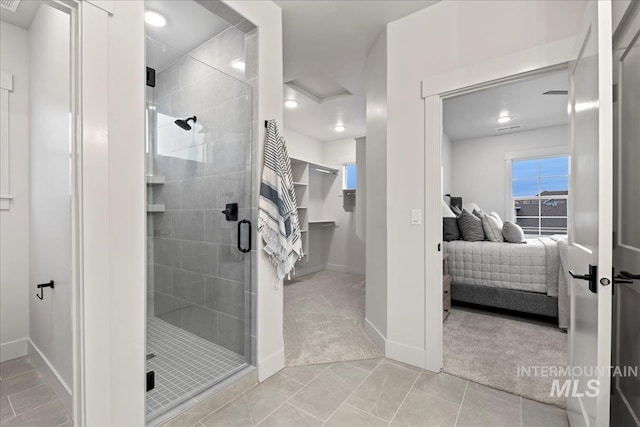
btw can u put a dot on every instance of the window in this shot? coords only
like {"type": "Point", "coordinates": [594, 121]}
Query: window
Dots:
{"type": "Point", "coordinates": [540, 192]}
{"type": "Point", "coordinates": [349, 176]}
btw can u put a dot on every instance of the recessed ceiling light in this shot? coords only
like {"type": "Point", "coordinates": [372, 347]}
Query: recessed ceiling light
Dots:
{"type": "Point", "coordinates": [339, 128]}
{"type": "Point", "coordinates": [291, 103]}
{"type": "Point", "coordinates": [154, 19]}
{"type": "Point", "coordinates": [504, 119]}
{"type": "Point", "coordinates": [238, 65]}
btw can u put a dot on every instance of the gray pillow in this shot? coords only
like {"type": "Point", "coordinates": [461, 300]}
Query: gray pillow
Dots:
{"type": "Point", "coordinates": [456, 210]}
{"type": "Point", "coordinates": [479, 213]}
{"type": "Point", "coordinates": [470, 227]}
{"type": "Point", "coordinates": [450, 229]}
{"type": "Point", "coordinates": [492, 228]}
{"type": "Point", "coordinates": [513, 233]}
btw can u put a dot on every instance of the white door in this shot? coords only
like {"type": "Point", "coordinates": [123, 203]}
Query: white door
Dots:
{"type": "Point", "coordinates": [590, 236]}
{"type": "Point", "coordinates": [50, 318]}
{"type": "Point", "coordinates": [625, 393]}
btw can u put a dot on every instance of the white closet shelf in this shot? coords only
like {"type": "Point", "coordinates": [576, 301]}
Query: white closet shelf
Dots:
{"type": "Point", "coordinates": [322, 221]}
{"type": "Point", "coordinates": [317, 166]}
{"type": "Point", "coordinates": [302, 207]}
{"type": "Point", "coordinates": [155, 179]}
{"type": "Point", "coordinates": [155, 208]}
{"type": "Point", "coordinates": [300, 184]}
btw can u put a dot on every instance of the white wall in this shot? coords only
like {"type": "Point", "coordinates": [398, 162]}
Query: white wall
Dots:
{"type": "Point", "coordinates": [347, 252]}
{"type": "Point", "coordinates": [435, 40]}
{"type": "Point", "coordinates": [303, 147]}
{"type": "Point", "coordinates": [376, 187]}
{"type": "Point", "coordinates": [268, 17]}
{"type": "Point", "coordinates": [447, 169]}
{"type": "Point", "coordinates": [14, 223]}
{"type": "Point", "coordinates": [479, 165]}
{"type": "Point", "coordinates": [50, 328]}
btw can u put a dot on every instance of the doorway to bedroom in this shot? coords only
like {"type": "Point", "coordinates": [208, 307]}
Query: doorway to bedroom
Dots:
{"type": "Point", "coordinates": [505, 175]}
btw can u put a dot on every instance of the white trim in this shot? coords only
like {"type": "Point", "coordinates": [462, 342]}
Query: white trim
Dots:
{"type": "Point", "coordinates": [344, 269]}
{"type": "Point", "coordinates": [300, 272]}
{"type": "Point", "coordinates": [53, 378]}
{"type": "Point", "coordinates": [270, 365]}
{"type": "Point", "coordinates": [414, 356]}
{"type": "Point", "coordinates": [492, 72]}
{"type": "Point", "coordinates": [12, 349]}
{"type": "Point", "coordinates": [375, 335]}
{"type": "Point", "coordinates": [555, 55]}
{"type": "Point", "coordinates": [537, 153]}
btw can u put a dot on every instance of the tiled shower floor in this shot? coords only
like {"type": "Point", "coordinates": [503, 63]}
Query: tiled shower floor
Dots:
{"type": "Point", "coordinates": [184, 365]}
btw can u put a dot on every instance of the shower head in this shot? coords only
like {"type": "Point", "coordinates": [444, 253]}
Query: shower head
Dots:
{"type": "Point", "coordinates": [184, 124]}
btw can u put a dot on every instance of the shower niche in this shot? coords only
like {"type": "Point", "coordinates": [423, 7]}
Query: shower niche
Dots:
{"type": "Point", "coordinates": [200, 153]}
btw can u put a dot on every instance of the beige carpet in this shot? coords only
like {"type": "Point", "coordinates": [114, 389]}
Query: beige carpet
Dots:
{"type": "Point", "coordinates": [324, 320]}
{"type": "Point", "coordinates": [488, 348]}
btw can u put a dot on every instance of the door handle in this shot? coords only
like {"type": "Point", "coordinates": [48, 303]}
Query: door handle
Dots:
{"type": "Point", "coordinates": [50, 284]}
{"type": "Point", "coordinates": [231, 212]}
{"type": "Point", "coordinates": [592, 277]}
{"type": "Point", "coordinates": [631, 276]}
{"type": "Point", "coordinates": [240, 248]}
{"type": "Point", "coordinates": [622, 280]}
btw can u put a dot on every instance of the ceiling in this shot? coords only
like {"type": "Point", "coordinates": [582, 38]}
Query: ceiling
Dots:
{"type": "Point", "coordinates": [330, 40]}
{"type": "Point", "coordinates": [188, 25]}
{"type": "Point", "coordinates": [475, 115]}
{"type": "Point", "coordinates": [23, 16]}
{"type": "Point", "coordinates": [324, 41]}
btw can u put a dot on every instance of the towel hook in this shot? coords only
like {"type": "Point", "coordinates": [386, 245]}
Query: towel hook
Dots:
{"type": "Point", "coordinates": [42, 286]}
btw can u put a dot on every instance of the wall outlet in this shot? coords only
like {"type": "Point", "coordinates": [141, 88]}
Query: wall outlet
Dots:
{"type": "Point", "coordinates": [416, 216]}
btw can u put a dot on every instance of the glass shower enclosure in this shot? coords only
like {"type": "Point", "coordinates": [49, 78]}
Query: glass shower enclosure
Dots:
{"type": "Point", "coordinates": [199, 210]}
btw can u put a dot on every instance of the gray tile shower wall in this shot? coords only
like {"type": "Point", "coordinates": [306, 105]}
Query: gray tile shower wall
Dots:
{"type": "Point", "coordinates": [199, 280]}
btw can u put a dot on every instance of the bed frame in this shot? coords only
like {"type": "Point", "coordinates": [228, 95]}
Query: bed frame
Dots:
{"type": "Point", "coordinates": [510, 299]}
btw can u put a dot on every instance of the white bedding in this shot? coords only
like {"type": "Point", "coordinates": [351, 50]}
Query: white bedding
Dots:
{"type": "Point", "coordinates": [531, 267]}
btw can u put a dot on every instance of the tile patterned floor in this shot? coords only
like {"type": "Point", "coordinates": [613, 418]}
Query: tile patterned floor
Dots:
{"type": "Point", "coordinates": [184, 365]}
{"type": "Point", "coordinates": [26, 400]}
{"type": "Point", "coordinates": [376, 392]}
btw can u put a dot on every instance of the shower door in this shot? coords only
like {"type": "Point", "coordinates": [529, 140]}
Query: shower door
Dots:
{"type": "Point", "coordinates": [199, 229]}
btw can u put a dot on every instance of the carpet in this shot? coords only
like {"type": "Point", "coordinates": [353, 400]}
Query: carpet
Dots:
{"type": "Point", "coordinates": [488, 348]}
{"type": "Point", "coordinates": [324, 320]}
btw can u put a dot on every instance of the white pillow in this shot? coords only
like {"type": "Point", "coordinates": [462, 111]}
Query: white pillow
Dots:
{"type": "Point", "coordinates": [492, 227]}
{"type": "Point", "coordinates": [513, 233]}
{"type": "Point", "coordinates": [496, 216]}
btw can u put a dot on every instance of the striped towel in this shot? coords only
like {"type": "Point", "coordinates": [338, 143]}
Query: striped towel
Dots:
{"type": "Point", "coordinates": [278, 221]}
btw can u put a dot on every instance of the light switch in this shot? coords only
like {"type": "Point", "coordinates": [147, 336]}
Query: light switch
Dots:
{"type": "Point", "coordinates": [416, 216]}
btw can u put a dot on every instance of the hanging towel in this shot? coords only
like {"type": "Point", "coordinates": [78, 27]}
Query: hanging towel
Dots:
{"type": "Point", "coordinates": [278, 221]}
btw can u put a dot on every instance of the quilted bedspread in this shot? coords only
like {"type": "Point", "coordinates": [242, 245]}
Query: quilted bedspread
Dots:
{"type": "Point", "coordinates": [531, 267]}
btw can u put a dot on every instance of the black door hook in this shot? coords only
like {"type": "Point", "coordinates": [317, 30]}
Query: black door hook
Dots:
{"type": "Point", "coordinates": [44, 285]}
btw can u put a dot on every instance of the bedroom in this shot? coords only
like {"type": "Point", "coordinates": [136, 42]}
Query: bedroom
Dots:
{"type": "Point", "coordinates": [505, 196]}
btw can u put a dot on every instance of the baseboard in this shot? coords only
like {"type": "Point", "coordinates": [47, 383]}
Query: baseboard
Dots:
{"type": "Point", "coordinates": [53, 378]}
{"type": "Point", "coordinates": [375, 335]}
{"type": "Point", "coordinates": [405, 353]}
{"type": "Point", "coordinates": [270, 365]}
{"type": "Point", "coordinates": [12, 349]}
{"type": "Point", "coordinates": [344, 269]}
{"type": "Point", "coordinates": [303, 271]}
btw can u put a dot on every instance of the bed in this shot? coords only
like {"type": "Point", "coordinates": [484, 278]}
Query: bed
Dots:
{"type": "Point", "coordinates": [523, 277]}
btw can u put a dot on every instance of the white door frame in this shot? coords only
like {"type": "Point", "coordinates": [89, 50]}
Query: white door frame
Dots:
{"type": "Point", "coordinates": [435, 89]}
{"type": "Point", "coordinates": [107, 121]}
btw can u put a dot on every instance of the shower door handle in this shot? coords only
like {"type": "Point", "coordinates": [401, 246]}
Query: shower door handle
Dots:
{"type": "Point", "coordinates": [240, 248]}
